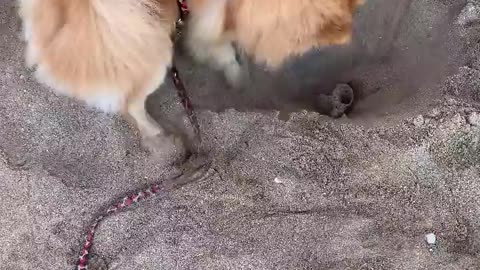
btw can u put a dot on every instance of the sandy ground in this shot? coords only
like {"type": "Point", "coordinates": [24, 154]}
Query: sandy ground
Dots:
{"type": "Point", "coordinates": [308, 193]}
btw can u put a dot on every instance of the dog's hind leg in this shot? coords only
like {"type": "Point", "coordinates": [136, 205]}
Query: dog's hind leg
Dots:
{"type": "Point", "coordinates": [154, 137]}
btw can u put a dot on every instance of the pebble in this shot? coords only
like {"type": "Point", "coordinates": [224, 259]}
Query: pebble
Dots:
{"type": "Point", "coordinates": [451, 101]}
{"type": "Point", "coordinates": [431, 238]}
{"type": "Point", "coordinates": [458, 119]}
{"type": "Point", "coordinates": [419, 121]}
{"type": "Point", "coordinates": [434, 113]}
{"type": "Point", "coordinates": [474, 119]}
{"type": "Point", "coordinates": [278, 180]}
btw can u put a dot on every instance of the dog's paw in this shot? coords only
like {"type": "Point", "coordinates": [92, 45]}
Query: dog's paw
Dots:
{"type": "Point", "coordinates": [168, 148]}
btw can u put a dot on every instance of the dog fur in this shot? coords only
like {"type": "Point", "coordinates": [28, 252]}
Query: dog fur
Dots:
{"type": "Point", "coordinates": [111, 54]}
{"type": "Point", "coordinates": [269, 31]}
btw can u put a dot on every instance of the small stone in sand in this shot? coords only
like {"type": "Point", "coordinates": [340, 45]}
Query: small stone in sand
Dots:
{"type": "Point", "coordinates": [431, 238]}
{"type": "Point", "coordinates": [474, 119]}
{"type": "Point", "coordinates": [419, 121]}
{"type": "Point", "coordinates": [278, 180]}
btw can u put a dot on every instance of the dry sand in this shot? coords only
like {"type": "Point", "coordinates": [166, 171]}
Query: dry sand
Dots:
{"type": "Point", "coordinates": [307, 193]}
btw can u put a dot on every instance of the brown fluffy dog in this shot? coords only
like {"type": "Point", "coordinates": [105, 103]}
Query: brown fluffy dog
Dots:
{"type": "Point", "coordinates": [270, 31]}
{"type": "Point", "coordinates": [109, 53]}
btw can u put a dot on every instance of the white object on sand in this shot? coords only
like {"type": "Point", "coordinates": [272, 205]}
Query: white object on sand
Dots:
{"type": "Point", "coordinates": [431, 238]}
{"type": "Point", "coordinates": [278, 180]}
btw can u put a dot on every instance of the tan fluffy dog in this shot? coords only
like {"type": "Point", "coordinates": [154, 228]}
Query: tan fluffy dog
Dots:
{"type": "Point", "coordinates": [109, 53]}
{"type": "Point", "coordinates": [114, 53]}
{"type": "Point", "coordinates": [270, 31]}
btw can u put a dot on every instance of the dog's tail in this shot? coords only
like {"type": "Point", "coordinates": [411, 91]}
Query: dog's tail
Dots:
{"type": "Point", "coordinates": [83, 42]}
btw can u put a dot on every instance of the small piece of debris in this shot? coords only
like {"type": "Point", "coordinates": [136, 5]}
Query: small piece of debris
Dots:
{"type": "Point", "coordinates": [458, 120]}
{"type": "Point", "coordinates": [278, 180]}
{"type": "Point", "coordinates": [434, 113]}
{"type": "Point", "coordinates": [474, 119]}
{"type": "Point", "coordinates": [419, 121]}
{"type": "Point", "coordinates": [450, 101]}
{"type": "Point", "coordinates": [431, 238]}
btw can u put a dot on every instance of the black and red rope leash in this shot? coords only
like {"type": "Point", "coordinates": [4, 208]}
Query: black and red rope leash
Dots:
{"type": "Point", "coordinates": [154, 189]}
{"type": "Point", "coordinates": [187, 104]}
{"type": "Point", "coordinates": [129, 200]}
{"type": "Point", "coordinates": [177, 81]}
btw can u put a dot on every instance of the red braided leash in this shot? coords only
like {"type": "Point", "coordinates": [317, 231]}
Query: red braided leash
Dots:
{"type": "Point", "coordinates": [183, 8]}
{"type": "Point", "coordinates": [125, 202]}
{"type": "Point", "coordinates": [129, 200]}
{"type": "Point", "coordinates": [187, 104]}
{"type": "Point", "coordinates": [154, 189]}
{"type": "Point", "coordinates": [177, 81]}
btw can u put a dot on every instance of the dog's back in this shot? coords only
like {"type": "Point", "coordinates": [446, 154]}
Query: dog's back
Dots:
{"type": "Point", "coordinates": [272, 30]}
{"type": "Point", "coordinates": [100, 51]}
